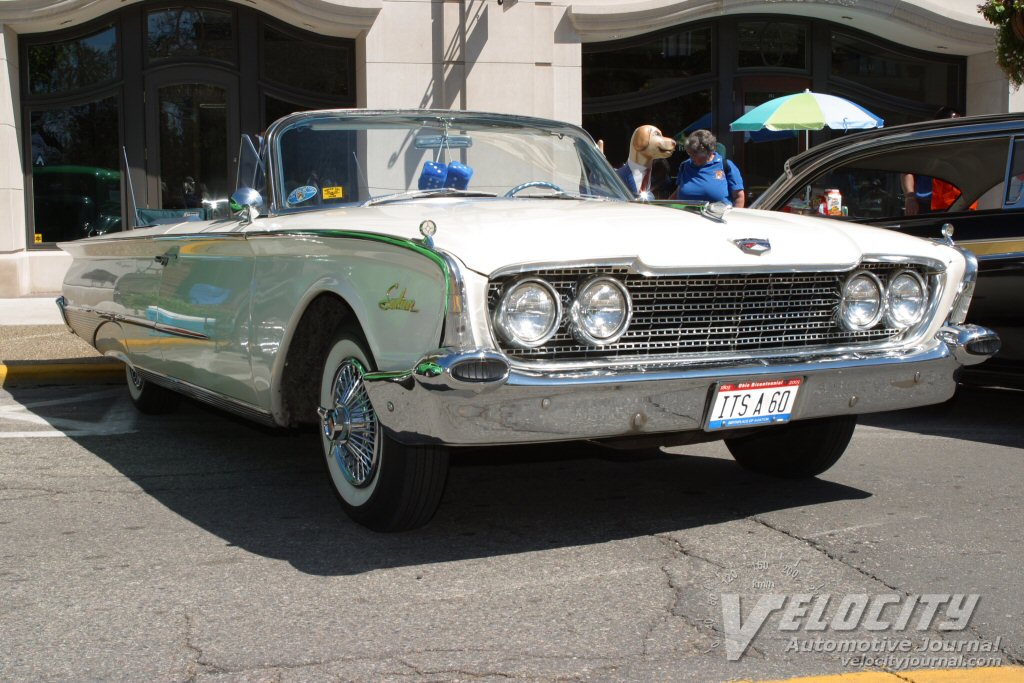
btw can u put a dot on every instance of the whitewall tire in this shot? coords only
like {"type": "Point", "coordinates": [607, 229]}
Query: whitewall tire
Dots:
{"type": "Point", "coordinates": [380, 483]}
{"type": "Point", "coordinates": [148, 397]}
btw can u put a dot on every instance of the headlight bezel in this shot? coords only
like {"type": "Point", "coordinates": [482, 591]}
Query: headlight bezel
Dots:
{"type": "Point", "coordinates": [577, 326]}
{"type": "Point", "coordinates": [501, 314]}
{"type": "Point", "coordinates": [922, 309]}
{"type": "Point", "coordinates": [844, 319]}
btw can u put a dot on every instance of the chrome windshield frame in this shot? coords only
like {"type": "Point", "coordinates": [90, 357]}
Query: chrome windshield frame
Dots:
{"type": "Point", "coordinates": [595, 161]}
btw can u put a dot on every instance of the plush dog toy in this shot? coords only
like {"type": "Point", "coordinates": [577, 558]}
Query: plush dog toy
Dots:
{"type": "Point", "coordinates": [646, 145]}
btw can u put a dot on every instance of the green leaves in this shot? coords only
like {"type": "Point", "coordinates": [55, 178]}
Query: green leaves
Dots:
{"type": "Point", "coordinates": [1008, 18]}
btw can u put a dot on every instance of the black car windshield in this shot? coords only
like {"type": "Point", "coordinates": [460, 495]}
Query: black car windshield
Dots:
{"type": "Point", "coordinates": [331, 158]}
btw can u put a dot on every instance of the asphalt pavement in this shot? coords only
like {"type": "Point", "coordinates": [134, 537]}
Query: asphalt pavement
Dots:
{"type": "Point", "coordinates": [196, 546]}
{"type": "Point", "coordinates": [36, 347]}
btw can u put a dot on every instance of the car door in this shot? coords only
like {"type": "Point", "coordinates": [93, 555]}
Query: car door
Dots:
{"type": "Point", "coordinates": [205, 291]}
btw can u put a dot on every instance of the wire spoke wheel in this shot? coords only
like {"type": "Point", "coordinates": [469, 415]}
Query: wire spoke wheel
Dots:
{"type": "Point", "coordinates": [379, 482]}
{"type": "Point", "coordinates": [351, 426]}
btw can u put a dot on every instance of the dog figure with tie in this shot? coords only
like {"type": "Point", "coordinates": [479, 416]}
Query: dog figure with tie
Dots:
{"type": "Point", "coordinates": [646, 145]}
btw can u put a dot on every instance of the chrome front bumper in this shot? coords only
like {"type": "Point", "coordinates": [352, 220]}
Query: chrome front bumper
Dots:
{"type": "Point", "coordinates": [430, 404]}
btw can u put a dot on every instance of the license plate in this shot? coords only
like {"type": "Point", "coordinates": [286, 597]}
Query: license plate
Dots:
{"type": "Point", "coordinates": [749, 404]}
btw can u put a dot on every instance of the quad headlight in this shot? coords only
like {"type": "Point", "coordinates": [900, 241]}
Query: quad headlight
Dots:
{"type": "Point", "coordinates": [601, 312]}
{"type": "Point", "coordinates": [866, 302]}
{"type": "Point", "coordinates": [528, 313]}
{"type": "Point", "coordinates": [862, 303]}
{"type": "Point", "coordinates": [905, 300]}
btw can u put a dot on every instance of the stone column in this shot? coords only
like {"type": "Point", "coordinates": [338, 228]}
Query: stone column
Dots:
{"type": "Point", "coordinates": [14, 274]}
{"type": "Point", "coordinates": [517, 57]}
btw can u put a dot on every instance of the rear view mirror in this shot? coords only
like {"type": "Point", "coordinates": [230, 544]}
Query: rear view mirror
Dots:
{"type": "Point", "coordinates": [443, 142]}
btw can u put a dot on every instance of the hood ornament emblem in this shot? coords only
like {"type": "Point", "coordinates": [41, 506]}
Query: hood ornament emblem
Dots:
{"type": "Point", "coordinates": [753, 245]}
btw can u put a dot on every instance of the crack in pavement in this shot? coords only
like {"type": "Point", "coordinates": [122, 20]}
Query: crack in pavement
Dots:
{"type": "Point", "coordinates": [197, 660]}
{"type": "Point", "coordinates": [675, 609]}
{"type": "Point", "coordinates": [826, 552]}
{"type": "Point", "coordinates": [970, 628]}
{"type": "Point", "coordinates": [678, 547]}
{"type": "Point", "coordinates": [459, 672]}
{"type": "Point", "coordinates": [40, 489]}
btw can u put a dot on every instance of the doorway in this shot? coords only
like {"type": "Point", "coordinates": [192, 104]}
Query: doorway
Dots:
{"type": "Point", "coordinates": [191, 134]}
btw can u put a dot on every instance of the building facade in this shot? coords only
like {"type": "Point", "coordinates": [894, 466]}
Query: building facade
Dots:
{"type": "Point", "coordinates": [103, 102]}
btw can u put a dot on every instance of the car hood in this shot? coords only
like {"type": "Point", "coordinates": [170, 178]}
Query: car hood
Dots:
{"type": "Point", "coordinates": [492, 235]}
{"type": "Point", "coordinates": [498, 235]}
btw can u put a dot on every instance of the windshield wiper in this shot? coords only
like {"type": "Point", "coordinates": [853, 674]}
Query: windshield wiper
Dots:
{"type": "Point", "coordinates": [420, 194]}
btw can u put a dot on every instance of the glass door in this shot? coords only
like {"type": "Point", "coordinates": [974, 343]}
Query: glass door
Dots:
{"type": "Point", "coordinates": [191, 135]}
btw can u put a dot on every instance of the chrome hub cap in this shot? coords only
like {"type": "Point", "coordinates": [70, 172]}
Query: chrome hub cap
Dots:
{"type": "Point", "coordinates": [350, 426]}
{"type": "Point", "coordinates": [133, 376]}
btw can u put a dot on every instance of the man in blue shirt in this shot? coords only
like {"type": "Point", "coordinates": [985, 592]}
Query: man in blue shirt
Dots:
{"type": "Point", "coordinates": [706, 176]}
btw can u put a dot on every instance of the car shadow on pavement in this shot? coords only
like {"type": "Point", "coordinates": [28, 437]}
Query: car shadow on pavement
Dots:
{"type": "Point", "coordinates": [267, 492]}
{"type": "Point", "coordinates": [974, 413]}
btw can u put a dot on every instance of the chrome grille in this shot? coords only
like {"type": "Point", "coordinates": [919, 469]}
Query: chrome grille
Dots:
{"type": "Point", "coordinates": [710, 313]}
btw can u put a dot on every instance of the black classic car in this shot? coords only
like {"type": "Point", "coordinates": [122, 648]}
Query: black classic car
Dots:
{"type": "Point", "coordinates": [961, 177]}
{"type": "Point", "coordinates": [72, 202]}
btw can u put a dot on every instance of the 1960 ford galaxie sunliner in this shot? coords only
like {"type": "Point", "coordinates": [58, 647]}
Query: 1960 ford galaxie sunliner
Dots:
{"type": "Point", "coordinates": [414, 281]}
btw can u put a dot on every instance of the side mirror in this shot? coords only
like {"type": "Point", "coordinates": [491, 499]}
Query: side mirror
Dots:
{"type": "Point", "coordinates": [248, 202]}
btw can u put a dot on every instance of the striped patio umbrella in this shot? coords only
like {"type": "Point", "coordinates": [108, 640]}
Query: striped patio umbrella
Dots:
{"type": "Point", "coordinates": [807, 111]}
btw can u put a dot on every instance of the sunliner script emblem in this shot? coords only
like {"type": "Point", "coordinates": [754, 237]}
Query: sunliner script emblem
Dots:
{"type": "Point", "coordinates": [753, 245]}
{"type": "Point", "coordinates": [389, 303]}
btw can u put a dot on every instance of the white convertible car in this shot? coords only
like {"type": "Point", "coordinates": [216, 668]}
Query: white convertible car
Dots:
{"type": "Point", "coordinates": [417, 280]}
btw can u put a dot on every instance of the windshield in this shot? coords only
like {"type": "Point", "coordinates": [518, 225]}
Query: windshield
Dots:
{"type": "Point", "coordinates": [335, 158]}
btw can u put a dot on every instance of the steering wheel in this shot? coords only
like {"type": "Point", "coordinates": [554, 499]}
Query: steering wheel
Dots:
{"type": "Point", "coordinates": [533, 183]}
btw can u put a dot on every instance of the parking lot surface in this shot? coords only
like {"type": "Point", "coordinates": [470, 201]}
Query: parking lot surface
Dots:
{"type": "Point", "coordinates": [196, 546]}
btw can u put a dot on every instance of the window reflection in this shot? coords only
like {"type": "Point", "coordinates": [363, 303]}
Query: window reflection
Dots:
{"type": "Point", "coordinates": [75, 178]}
{"type": "Point", "coordinates": [1015, 185]}
{"type": "Point", "coordinates": [274, 108]}
{"type": "Point", "coordinates": [327, 70]}
{"type": "Point", "coordinates": [906, 75]}
{"type": "Point", "coordinates": [192, 162]}
{"type": "Point", "coordinates": [71, 64]}
{"type": "Point", "coordinates": [190, 32]}
{"type": "Point", "coordinates": [622, 68]}
{"type": "Point", "coordinates": [193, 147]}
{"type": "Point", "coordinates": [771, 44]}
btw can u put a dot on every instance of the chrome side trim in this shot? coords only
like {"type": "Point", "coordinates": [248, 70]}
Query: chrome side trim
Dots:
{"type": "Point", "coordinates": [166, 237]}
{"type": "Point", "coordinates": [217, 400]}
{"type": "Point", "coordinates": [61, 305]}
{"type": "Point", "coordinates": [139, 322]}
{"type": "Point", "coordinates": [1003, 256]}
